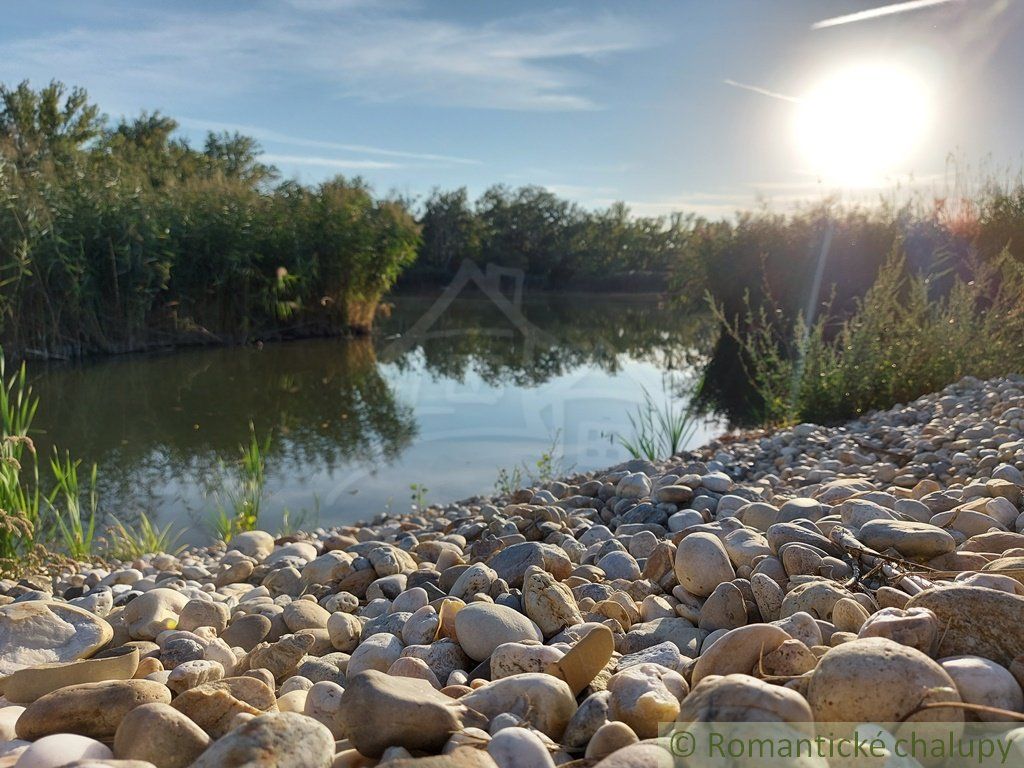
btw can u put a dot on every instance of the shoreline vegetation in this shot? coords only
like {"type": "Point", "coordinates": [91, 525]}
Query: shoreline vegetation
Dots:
{"type": "Point", "coordinates": [120, 237]}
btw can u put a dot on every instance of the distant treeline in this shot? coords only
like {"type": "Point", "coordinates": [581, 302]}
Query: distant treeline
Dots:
{"type": "Point", "coordinates": [123, 236]}
{"type": "Point", "coordinates": [556, 243]}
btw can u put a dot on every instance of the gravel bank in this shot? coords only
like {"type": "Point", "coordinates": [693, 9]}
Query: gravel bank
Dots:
{"type": "Point", "coordinates": [811, 574]}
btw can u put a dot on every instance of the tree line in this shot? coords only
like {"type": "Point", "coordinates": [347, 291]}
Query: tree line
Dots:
{"type": "Point", "coordinates": [120, 236]}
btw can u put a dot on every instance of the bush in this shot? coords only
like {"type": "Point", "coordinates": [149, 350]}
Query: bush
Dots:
{"type": "Point", "coordinates": [900, 342]}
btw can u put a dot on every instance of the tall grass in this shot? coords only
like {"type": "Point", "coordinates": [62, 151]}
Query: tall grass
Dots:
{"type": "Point", "coordinates": [660, 428]}
{"type": "Point", "coordinates": [146, 537]}
{"type": "Point", "coordinates": [73, 520]}
{"type": "Point", "coordinates": [901, 341]}
{"type": "Point", "coordinates": [240, 501]}
{"type": "Point", "coordinates": [20, 497]}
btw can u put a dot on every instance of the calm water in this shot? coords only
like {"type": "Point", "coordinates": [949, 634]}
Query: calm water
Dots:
{"type": "Point", "coordinates": [444, 396]}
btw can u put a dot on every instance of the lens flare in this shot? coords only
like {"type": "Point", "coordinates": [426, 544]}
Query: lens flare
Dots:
{"type": "Point", "coordinates": [862, 122]}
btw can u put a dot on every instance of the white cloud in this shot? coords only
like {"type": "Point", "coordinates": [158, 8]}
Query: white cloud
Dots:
{"type": "Point", "coordinates": [374, 52]}
{"type": "Point", "coordinates": [326, 162]}
{"type": "Point", "coordinates": [276, 137]}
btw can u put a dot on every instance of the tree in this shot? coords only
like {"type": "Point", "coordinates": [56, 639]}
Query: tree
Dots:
{"type": "Point", "coordinates": [49, 124]}
{"type": "Point", "coordinates": [236, 157]}
{"type": "Point", "coordinates": [451, 232]}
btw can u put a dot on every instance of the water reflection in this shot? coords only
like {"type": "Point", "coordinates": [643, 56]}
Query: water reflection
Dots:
{"type": "Point", "coordinates": [369, 416]}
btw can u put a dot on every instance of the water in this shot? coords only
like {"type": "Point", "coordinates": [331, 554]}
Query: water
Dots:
{"type": "Point", "coordinates": [442, 397]}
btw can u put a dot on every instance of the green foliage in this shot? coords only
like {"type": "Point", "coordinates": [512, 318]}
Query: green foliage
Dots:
{"type": "Point", "coordinates": [549, 238]}
{"type": "Point", "coordinates": [121, 237]}
{"type": "Point", "coordinates": [659, 429]}
{"type": "Point", "coordinates": [240, 500]}
{"type": "Point", "coordinates": [419, 495]}
{"type": "Point", "coordinates": [74, 522]}
{"type": "Point", "coordinates": [900, 342]}
{"type": "Point", "coordinates": [130, 542]}
{"type": "Point", "coordinates": [20, 496]}
{"type": "Point", "coordinates": [547, 468]}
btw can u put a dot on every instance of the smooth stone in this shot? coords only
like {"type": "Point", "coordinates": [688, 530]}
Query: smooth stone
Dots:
{"type": "Point", "coordinates": [88, 709]}
{"type": "Point", "coordinates": [585, 659]}
{"type": "Point", "coordinates": [644, 696]}
{"type": "Point", "coordinates": [28, 684]}
{"type": "Point", "coordinates": [702, 563]}
{"type": "Point", "coordinates": [511, 562]}
{"type": "Point", "coordinates": [377, 652]}
{"type": "Point", "coordinates": [665, 654]}
{"type": "Point", "coordinates": [918, 628]}
{"type": "Point", "coordinates": [516, 658]}
{"type": "Point", "coordinates": [725, 608]}
{"type": "Point", "coordinates": [462, 757]}
{"type": "Point", "coordinates": [975, 621]}
{"type": "Point", "coordinates": [41, 632]}
{"type": "Point", "coordinates": [213, 706]}
{"type": "Point", "coordinates": [880, 681]}
{"type": "Point", "coordinates": [643, 755]}
{"type": "Point", "coordinates": [203, 613]}
{"type": "Point", "coordinates": [549, 603]}
{"type": "Point", "coordinates": [255, 544]}
{"type": "Point", "coordinates": [153, 612]}
{"type": "Point", "coordinates": [910, 539]}
{"type": "Point", "coordinates": [680, 632]}
{"type": "Point", "coordinates": [519, 748]}
{"type": "Point", "coordinates": [740, 698]}
{"type": "Point", "coordinates": [482, 627]}
{"type": "Point", "coordinates": [589, 717]}
{"type": "Point", "coordinates": [279, 740]}
{"type": "Point", "coordinates": [193, 673]}
{"type": "Point", "coordinates": [609, 738]}
{"type": "Point", "coordinates": [160, 734]}
{"type": "Point", "coordinates": [544, 701]}
{"type": "Point", "coordinates": [982, 681]}
{"type": "Point", "coordinates": [323, 703]}
{"type": "Point", "coordinates": [380, 711]}
{"type": "Point", "coordinates": [738, 650]}
{"type": "Point", "coordinates": [246, 632]}
{"type": "Point", "coordinates": [62, 748]}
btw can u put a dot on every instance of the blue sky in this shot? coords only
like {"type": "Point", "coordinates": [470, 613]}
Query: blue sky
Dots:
{"type": "Point", "coordinates": [638, 101]}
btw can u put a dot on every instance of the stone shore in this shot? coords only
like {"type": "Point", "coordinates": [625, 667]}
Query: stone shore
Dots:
{"type": "Point", "coordinates": [869, 572]}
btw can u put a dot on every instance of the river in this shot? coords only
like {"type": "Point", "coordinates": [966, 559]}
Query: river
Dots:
{"type": "Point", "coordinates": [444, 395]}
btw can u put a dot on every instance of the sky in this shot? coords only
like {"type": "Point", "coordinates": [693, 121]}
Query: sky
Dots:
{"type": "Point", "coordinates": [699, 106]}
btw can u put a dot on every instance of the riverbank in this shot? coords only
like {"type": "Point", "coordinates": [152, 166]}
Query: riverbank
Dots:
{"type": "Point", "coordinates": [808, 574]}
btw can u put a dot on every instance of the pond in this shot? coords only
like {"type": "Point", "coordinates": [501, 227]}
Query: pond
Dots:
{"type": "Point", "coordinates": [446, 393]}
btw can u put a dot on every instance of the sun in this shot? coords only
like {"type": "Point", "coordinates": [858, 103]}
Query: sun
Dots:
{"type": "Point", "coordinates": [862, 122]}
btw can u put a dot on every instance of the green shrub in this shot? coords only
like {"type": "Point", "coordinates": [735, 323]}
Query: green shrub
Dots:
{"type": "Point", "coordinates": [901, 341]}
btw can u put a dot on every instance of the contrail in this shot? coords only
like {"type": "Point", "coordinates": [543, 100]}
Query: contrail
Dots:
{"type": "Point", "coordinates": [874, 13]}
{"type": "Point", "coordinates": [762, 91]}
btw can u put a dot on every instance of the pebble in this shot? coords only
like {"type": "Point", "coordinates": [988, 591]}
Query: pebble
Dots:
{"type": "Point", "coordinates": [482, 627]}
{"type": "Point", "coordinates": [88, 709]}
{"type": "Point", "coordinates": [702, 563]}
{"type": "Point", "coordinates": [519, 748]}
{"type": "Point", "coordinates": [878, 680]}
{"type": "Point", "coordinates": [380, 711]}
{"type": "Point", "coordinates": [28, 684]}
{"type": "Point", "coordinates": [61, 749]}
{"type": "Point", "coordinates": [278, 740]}
{"type": "Point", "coordinates": [542, 700]}
{"type": "Point", "coordinates": [738, 581]}
{"type": "Point", "coordinates": [644, 695]}
{"type": "Point", "coordinates": [37, 632]}
{"type": "Point", "coordinates": [160, 734]}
